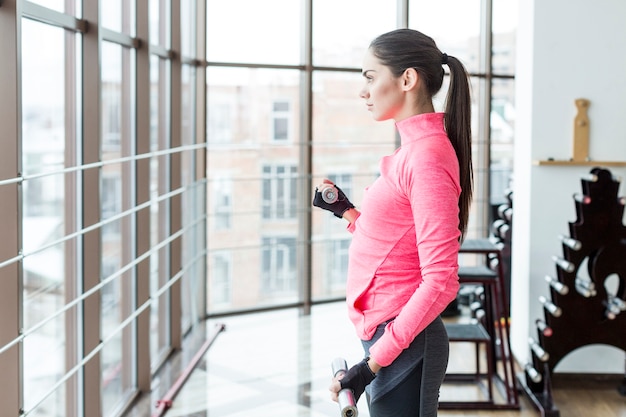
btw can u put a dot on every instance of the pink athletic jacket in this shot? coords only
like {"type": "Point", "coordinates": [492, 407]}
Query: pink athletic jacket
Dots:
{"type": "Point", "coordinates": [403, 259]}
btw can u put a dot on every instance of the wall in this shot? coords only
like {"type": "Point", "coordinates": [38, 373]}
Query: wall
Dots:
{"type": "Point", "coordinates": [567, 49]}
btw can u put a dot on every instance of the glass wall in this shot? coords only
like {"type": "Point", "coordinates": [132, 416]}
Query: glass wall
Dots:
{"type": "Point", "coordinates": [159, 159]}
{"type": "Point", "coordinates": [103, 199]}
{"type": "Point", "coordinates": [253, 157]}
{"type": "Point", "coordinates": [283, 113]}
{"type": "Point", "coordinates": [44, 221]}
{"type": "Point", "coordinates": [502, 123]}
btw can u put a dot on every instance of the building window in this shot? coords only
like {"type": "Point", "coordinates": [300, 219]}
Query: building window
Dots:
{"type": "Point", "coordinates": [281, 121]}
{"type": "Point", "coordinates": [219, 122]}
{"type": "Point", "coordinates": [222, 203]}
{"type": "Point", "coordinates": [278, 265]}
{"type": "Point", "coordinates": [337, 265]}
{"type": "Point", "coordinates": [111, 204]}
{"type": "Point", "coordinates": [221, 288]}
{"type": "Point", "coordinates": [279, 192]}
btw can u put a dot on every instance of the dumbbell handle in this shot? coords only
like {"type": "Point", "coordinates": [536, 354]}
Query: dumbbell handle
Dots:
{"type": "Point", "coordinates": [345, 397]}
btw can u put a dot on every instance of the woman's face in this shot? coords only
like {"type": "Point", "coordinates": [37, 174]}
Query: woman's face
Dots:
{"type": "Point", "coordinates": [382, 91]}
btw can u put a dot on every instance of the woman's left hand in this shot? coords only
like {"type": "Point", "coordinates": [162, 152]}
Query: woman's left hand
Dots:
{"type": "Point", "coordinates": [334, 389]}
{"type": "Point", "coordinates": [356, 379]}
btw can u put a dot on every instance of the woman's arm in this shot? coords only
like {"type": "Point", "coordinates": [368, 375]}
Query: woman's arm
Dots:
{"type": "Point", "coordinates": [351, 215]}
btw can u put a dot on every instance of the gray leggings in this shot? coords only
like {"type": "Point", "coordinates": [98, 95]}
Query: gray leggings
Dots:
{"type": "Point", "coordinates": [409, 387]}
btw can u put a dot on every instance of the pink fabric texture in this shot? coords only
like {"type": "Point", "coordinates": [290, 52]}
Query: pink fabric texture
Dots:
{"type": "Point", "coordinates": [403, 261]}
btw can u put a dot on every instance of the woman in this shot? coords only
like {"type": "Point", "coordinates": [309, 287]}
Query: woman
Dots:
{"type": "Point", "coordinates": [403, 258]}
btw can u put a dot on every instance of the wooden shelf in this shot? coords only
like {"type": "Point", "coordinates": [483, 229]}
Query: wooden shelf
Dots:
{"type": "Point", "coordinates": [563, 162]}
{"type": "Point", "coordinates": [580, 156]}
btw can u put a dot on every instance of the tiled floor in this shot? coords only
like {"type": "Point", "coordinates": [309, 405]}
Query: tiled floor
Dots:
{"type": "Point", "coordinates": [278, 364]}
{"type": "Point", "coordinates": [270, 364]}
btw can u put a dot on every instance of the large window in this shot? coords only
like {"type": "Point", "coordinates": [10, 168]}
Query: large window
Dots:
{"type": "Point", "coordinates": [280, 120]}
{"type": "Point", "coordinates": [103, 199]}
{"type": "Point", "coordinates": [44, 219]}
{"type": "Point", "coordinates": [159, 161]}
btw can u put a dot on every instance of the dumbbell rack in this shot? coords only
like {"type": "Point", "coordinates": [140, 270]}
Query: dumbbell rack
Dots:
{"type": "Point", "coordinates": [580, 311]}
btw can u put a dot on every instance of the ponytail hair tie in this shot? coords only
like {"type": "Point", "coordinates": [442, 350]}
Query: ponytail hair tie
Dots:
{"type": "Point", "coordinates": [444, 59]}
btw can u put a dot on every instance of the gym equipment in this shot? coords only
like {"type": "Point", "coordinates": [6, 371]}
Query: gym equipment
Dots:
{"type": "Point", "coordinates": [347, 404]}
{"type": "Point", "coordinates": [592, 313]}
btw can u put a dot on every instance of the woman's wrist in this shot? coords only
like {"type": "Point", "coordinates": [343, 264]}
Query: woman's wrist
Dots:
{"type": "Point", "coordinates": [351, 215]}
{"type": "Point", "coordinates": [374, 367]}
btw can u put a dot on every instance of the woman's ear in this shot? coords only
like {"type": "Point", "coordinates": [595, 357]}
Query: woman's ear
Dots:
{"type": "Point", "coordinates": [410, 79]}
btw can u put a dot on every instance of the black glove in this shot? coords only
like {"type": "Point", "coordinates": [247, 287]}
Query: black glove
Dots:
{"type": "Point", "coordinates": [338, 207]}
{"type": "Point", "coordinates": [357, 378]}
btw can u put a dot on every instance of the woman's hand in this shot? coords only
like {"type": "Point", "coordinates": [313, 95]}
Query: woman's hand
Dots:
{"type": "Point", "coordinates": [339, 207]}
{"type": "Point", "coordinates": [356, 379]}
{"type": "Point", "coordinates": [334, 388]}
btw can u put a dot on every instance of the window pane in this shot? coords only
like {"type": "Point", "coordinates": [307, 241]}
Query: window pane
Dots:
{"type": "Point", "coordinates": [118, 16]}
{"type": "Point", "coordinates": [453, 24]}
{"type": "Point", "coordinates": [116, 193]}
{"type": "Point", "coordinates": [241, 105]}
{"type": "Point", "coordinates": [504, 30]}
{"type": "Point", "coordinates": [502, 138]}
{"type": "Point", "coordinates": [44, 199]}
{"type": "Point", "coordinates": [347, 147]}
{"type": "Point", "coordinates": [58, 5]}
{"type": "Point", "coordinates": [281, 129]}
{"type": "Point", "coordinates": [221, 288]}
{"type": "Point", "coordinates": [503, 98]}
{"type": "Point", "coordinates": [192, 222]}
{"type": "Point", "coordinates": [155, 100]}
{"type": "Point", "coordinates": [504, 16]}
{"type": "Point", "coordinates": [188, 26]}
{"type": "Point", "coordinates": [278, 271]}
{"type": "Point", "coordinates": [254, 31]}
{"type": "Point", "coordinates": [282, 121]}
{"type": "Point", "coordinates": [345, 137]}
{"type": "Point", "coordinates": [360, 22]}
{"type": "Point", "coordinates": [252, 179]}
{"type": "Point", "coordinates": [160, 23]}
{"type": "Point", "coordinates": [478, 224]}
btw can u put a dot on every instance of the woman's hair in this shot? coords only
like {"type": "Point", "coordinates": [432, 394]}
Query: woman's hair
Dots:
{"type": "Point", "coordinates": [406, 48]}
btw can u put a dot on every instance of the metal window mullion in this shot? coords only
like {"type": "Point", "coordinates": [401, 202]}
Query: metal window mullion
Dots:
{"type": "Point", "coordinates": [11, 294]}
{"type": "Point", "coordinates": [94, 290]}
{"type": "Point", "coordinates": [73, 318]}
{"type": "Point", "coordinates": [160, 51]}
{"type": "Point", "coordinates": [93, 354]}
{"type": "Point", "coordinates": [201, 94]}
{"type": "Point", "coordinates": [201, 153]}
{"type": "Point", "coordinates": [142, 195]}
{"type": "Point", "coordinates": [52, 17]}
{"type": "Point", "coordinates": [100, 164]}
{"type": "Point", "coordinates": [90, 228]}
{"type": "Point", "coordinates": [175, 212]}
{"type": "Point", "coordinates": [483, 157]}
{"type": "Point", "coordinates": [164, 105]}
{"type": "Point", "coordinates": [121, 327]}
{"type": "Point", "coordinates": [127, 231]}
{"type": "Point", "coordinates": [119, 38]}
{"type": "Point", "coordinates": [402, 17]}
{"type": "Point", "coordinates": [91, 241]}
{"type": "Point", "coordinates": [304, 252]}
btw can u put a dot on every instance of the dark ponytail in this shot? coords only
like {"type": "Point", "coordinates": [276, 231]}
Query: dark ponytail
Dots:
{"type": "Point", "coordinates": [458, 121]}
{"type": "Point", "coordinates": [407, 48]}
